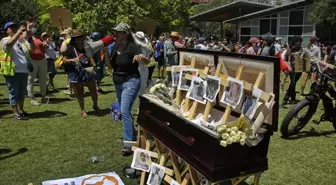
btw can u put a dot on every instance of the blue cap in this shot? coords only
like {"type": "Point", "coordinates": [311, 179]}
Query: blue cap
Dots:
{"type": "Point", "coordinates": [96, 35]}
{"type": "Point", "coordinates": [8, 24]}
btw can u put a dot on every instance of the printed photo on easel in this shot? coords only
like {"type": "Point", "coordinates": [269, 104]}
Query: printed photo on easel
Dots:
{"type": "Point", "coordinates": [173, 182]}
{"type": "Point", "coordinates": [184, 83]}
{"type": "Point", "coordinates": [197, 90]}
{"type": "Point", "coordinates": [156, 174]}
{"type": "Point", "coordinates": [212, 86]}
{"type": "Point", "coordinates": [176, 74]}
{"type": "Point", "coordinates": [250, 103]}
{"type": "Point", "coordinates": [233, 93]}
{"type": "Point", "coordinates": [141, 160]}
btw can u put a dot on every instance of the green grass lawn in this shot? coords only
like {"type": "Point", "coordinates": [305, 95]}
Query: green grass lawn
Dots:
{"type": "Point", "coordinates": [57, 143]}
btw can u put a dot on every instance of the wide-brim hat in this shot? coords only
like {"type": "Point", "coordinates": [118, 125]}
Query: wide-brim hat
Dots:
{"type": "Point", "coordinates": [77, 33]}
{"type": "Point", "coordinates": [123, 27]}
{"type": "Point", "coordinates": [139, 38]}
{"type": "Point", "coordinates": [9, 24]}
{"type": "Point", "coordinates": [44, 34]}
{"type": "Point", "coordinates": [175, 34]}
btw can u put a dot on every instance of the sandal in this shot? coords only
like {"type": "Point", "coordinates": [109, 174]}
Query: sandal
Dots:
{"type": "Point", "coordinates": [84, 115]}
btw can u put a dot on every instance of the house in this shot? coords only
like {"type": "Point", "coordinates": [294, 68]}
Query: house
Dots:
{"type": "Point", "coordinates": [255, 19]}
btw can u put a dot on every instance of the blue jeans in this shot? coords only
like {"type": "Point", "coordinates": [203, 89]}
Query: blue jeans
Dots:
{"type": "Point", "coordinates": [17, 86]}
{"type": "Point", "coordinates": [127, 92]}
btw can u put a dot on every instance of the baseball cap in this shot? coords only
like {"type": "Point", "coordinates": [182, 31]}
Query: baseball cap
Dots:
{"type": "Point", "coordinates": [122, 27]}
{"type": "Point", "coordinates": [8, 24]}
{"type": "Point", "coordinates": [278, 38]}
{"type": "Point", "coordinates": [314, 38]}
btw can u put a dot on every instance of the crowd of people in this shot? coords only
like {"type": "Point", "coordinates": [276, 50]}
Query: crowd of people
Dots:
{"type": "Point", "coordinates": [131, 56]}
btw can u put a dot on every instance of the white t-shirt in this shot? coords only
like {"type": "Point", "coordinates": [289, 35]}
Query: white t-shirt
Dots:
{"type": "Point", "coordinates": [50, 51]}
{"type": "Point", "coordinates": [201, 47]}
{"type": "Point", "coordinates": [19, 57]}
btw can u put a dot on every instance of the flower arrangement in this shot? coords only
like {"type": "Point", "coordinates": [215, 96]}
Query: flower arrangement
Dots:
{"type": "Point", "coordinates": [236, 132]}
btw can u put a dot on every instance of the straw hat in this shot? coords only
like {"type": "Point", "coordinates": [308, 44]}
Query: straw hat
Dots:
{"type": "Point", "coordinates": [175, 34]}
{"type": "Point", "coordinates": [76, 33]}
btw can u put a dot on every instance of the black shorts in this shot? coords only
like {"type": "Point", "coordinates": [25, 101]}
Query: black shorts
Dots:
{"type": "Point", "coordinates": [160, 61]}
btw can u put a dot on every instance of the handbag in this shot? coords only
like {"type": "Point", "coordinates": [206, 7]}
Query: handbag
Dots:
{"type": "Point", "coordinates": [59, 62]}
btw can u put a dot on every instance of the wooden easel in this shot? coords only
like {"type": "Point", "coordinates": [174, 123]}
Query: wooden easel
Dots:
{"type": "Point", "coordinates": [209, 104]}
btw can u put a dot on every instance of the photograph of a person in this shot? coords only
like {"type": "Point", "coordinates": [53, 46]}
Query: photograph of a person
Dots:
{"type": "Point", "coordinates": [233, 93]}
{"type": "Point", "coordinates": [184, 83]}
{"type": "Point", "coordinates": [173, 182]}
{"type": "Point", "coordinates": [212, 87]}
{"type": "Point", "coordinates": [156, 174]}
{"type": "Point", "coordinates": [175, 74]}
{"type": "Point", "coordinates": [141, 160]}
{"type": "Point", "coordinates": [197, 90]}
{"type": "Point", "coordinates": [250, 103]}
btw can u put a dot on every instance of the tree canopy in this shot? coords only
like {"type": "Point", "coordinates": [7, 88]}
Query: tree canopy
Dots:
{"type": "Point", "coordinates": [323, 12]}
{"type": "Point", "coordinates": [101, 15]}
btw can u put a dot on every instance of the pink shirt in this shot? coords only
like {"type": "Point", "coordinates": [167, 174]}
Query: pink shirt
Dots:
{"type": "Point", "coordinates": [38, 53]}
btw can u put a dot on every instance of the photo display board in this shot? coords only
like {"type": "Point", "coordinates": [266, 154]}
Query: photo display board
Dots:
{"type": "Point", "coordinates": [230, 62]}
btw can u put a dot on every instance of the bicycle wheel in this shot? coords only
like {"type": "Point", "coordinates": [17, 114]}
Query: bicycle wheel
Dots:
{"type": "Point", "coordinates": [291, 127]}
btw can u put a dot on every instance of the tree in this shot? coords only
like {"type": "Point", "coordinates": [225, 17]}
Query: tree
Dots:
{"type": "Point", "coordinates": [323, 12]}
{"type": "Point", "coordinates": [17, 11]}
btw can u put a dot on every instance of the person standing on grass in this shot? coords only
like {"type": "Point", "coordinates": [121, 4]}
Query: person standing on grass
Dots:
{"type": "Point", "coordinates": [294, 54]}
{"type": "Point", "coordinates": [66, 35]}
{"type": "Point", "coordinates": [75, 62]}
{"type": "Point", "coordinates": [51, 56]}
{"type": "Point", "coordinates": [125, 58]}
{"type": "Point", "coordinates": [99, 59]}
{"type": "Point", "coordinates": [159, 56]}
{"type": "Point", "coordinates": [39, 61]}
{"type": "Point", "coordinates": [18, 47]}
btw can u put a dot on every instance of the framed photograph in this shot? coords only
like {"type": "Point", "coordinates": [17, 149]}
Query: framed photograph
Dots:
{"type": "Point", "coordinates": [184, 83]}
{"type": "Point", "coordinates": [197, 90]}
{"type": "Point", "coordinates": [233, 93]}
{"type": "Point", "coordinates": [173, 182]}
{"type": "Point", "coordinates": [141, 160]}
{"type": "Point", "coordinates": [212, 87]}
{"type": "Point", "coordinates": [156, 174]}
{"type": "Point", "coordinates": [176, 74]}
{"type": "Point", "coordinates": [250, 103]}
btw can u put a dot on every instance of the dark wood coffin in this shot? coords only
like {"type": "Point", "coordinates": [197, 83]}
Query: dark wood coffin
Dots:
{"type": "Point", "coordinates": [198, 147]}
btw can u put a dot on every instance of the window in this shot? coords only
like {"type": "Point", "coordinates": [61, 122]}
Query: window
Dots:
{"type": "Point", "coordinates": [255, 22]}
{"type": "Point", "coordinates": [296, 18]}
{"type": "Point", "coordinates": [283, 30]}
{"type": "Point", "coordinates": [246, 23]}
{"type": "Point", "coordinates": [245, 31]}
{"type": "Point", "coordinates": [306, 18]}
{"type": "Point", "coordinates": [255, 31]}
{"type": "Point", "coordinates": [308, 30]}
{"type": "Point", "coordinates": [284, 14]}
{"type": "Point", "coordinates": [284, 21]}
{"type": "Point", "coordinates": [265, 26]}
{"type": "Point", "coordinates": [295, 30]}
{"type": "Point", "coordinates": [274, 26]}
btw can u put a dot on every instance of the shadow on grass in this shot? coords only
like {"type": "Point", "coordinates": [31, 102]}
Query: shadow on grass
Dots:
{"type": "Point", "coordinates": [47, 114]}
{"type": "Point", "coordinates": [107, 84]}
{"type": "Point", "coordinates": [311, 133]}
{"type": "Point", "coordinates": [100, 113]}
{"type": "Point", "coordinates": [5, 112]}
{"type": "Point", "coordinates": [58, 100]}
{"type": "Point", "coordinates": [7, 153]}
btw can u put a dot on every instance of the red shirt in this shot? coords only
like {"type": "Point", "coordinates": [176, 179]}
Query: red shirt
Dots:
{"type": "Point", "coordinates": [38, 52]}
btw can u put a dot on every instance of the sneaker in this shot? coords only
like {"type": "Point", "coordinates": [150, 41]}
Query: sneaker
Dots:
{"type": "Point", "coordinates": [67, 92]}
{"type": "Point", "coordinates": [35, 103]}
{"type": "Point", "coordinates": [19, 117]}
